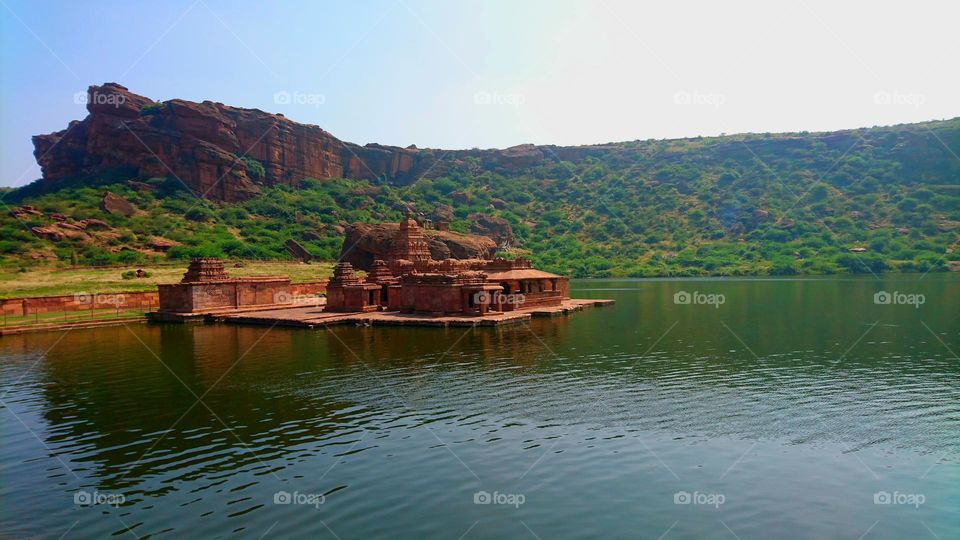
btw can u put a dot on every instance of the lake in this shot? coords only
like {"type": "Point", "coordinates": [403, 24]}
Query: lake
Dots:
{"type": "Point", "coordinates": [704, 408]}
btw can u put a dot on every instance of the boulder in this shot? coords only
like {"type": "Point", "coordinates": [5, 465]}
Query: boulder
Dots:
{"type": "Point", "coordinates": [25, 212]}
{"type": "Point", "coordinates": [159, 243]}
{"type": "Point", "coordinates": [520, 157]}
{"type": "Point", "coordinates": [48, 233]}
{"type": "Point", "coordinates": [297, 251]}
{"type": "Point", "coordinates": [498, 204]}
{"type": "Point", "coordinates": [93, 224]}
{"type": "Point", "coordinates": [140, 186]}
{"type": "Point", "coordinates": [115, 204]}
{"type": "Point", "coordinates": [493, 227]}
{"type": "Point", "coordinates": [443, 212]}
{"type": "Point", "coordinates": [365, 242]}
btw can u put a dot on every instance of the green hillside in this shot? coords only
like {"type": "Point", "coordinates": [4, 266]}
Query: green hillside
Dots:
{"type": "Point", "coordinates": [734, 205]}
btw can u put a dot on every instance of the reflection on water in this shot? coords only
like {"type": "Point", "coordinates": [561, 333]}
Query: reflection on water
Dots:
{"type": "Point", "coordinates": [795, 401]}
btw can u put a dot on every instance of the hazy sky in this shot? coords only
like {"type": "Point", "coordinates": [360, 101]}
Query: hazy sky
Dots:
{"type": "Point", "coordinates": [457, 74]}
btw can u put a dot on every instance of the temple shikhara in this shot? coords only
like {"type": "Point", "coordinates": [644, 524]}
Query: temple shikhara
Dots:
{"type": "Point", "coordinates": [403, 285]}
{"type": "Point", "coordinates": [410, 281]}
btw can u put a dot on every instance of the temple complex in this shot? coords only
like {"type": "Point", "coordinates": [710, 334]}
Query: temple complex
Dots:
{"type": "Point", "coordinates": [410, 281]}
{"type": "Point", "coordinates": [409, 286]}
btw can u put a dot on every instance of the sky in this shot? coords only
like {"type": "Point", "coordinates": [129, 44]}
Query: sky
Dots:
{"type": "Point", "coordinates": [487, 74]}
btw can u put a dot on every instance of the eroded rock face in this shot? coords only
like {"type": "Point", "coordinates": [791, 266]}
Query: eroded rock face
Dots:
{"type": "Point", "coordinates": [365, 242]}
{"type": "Point", "coordinates": [201, 144]}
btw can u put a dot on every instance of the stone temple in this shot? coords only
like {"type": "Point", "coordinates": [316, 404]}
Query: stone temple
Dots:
{"type": "Point", "coordinates": [410, 281]}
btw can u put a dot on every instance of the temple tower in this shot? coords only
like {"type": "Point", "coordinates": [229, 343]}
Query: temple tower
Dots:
{"type": "Point", "coordinates": [203, 270]}
{"type": "Point", "coordinates": [409, 243]}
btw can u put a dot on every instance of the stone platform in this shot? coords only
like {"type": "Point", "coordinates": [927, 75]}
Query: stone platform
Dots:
{"type": "Point", "coordinates": [313, 316]}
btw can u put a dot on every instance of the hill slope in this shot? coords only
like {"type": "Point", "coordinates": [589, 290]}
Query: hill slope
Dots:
{"type": "Point", "coordinates": [865, 200]}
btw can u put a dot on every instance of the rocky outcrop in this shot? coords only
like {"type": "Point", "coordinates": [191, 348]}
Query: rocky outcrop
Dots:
{"type": "Point", "coordinates": [60, 231]}
{"type": "Point", "coordinates": [365, 242]}
{"type": "Point", "coordinates": [297, 251]}
{"type": "Point", "coordinates": [201, 144]}
{"type": "Point", "coordinates": [443, 212]}
{"type": "Point", "coordinates": [226, 153]}
{"type": "Point", "coordinates": [48, 233]}
{"type": "Point", "coordinates": [25, 212]}
{"type": "Point", "coordinates": [160, 243]}
{"type": "Point", "coordinates": [493, 227]}
{"type": "Point", "coordinates": [94, 224]}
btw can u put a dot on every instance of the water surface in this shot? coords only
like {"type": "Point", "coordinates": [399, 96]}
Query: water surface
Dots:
{"type": "Point", "coordinates": [786, 411]}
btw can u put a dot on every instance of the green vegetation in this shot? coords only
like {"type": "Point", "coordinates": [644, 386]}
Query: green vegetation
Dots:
{"type": "Point", "coordinates": [254, 168]}
{"type": "Point", "coordinates": [151, 108]}
{"type": "Point", "coordinates": [736, 205]}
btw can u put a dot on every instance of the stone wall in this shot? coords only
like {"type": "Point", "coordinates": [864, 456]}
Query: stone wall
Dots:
{"type": "Point", "coordinates": [148, 300]}
{"type": "Point", "coordinates": [234, 293]}
{"type": "Point", "coordinates": [17, 307]}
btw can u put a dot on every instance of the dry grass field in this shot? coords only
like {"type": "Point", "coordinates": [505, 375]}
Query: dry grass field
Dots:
{"type": "Point", "coordinates": [63, 281]}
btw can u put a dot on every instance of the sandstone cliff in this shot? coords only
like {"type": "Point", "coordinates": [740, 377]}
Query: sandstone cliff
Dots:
{"type": "Point", "coordinates": [202, 145]}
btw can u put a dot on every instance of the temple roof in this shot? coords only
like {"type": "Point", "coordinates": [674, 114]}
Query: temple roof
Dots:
{"type": "Point", "coordinates": [525, 273]}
